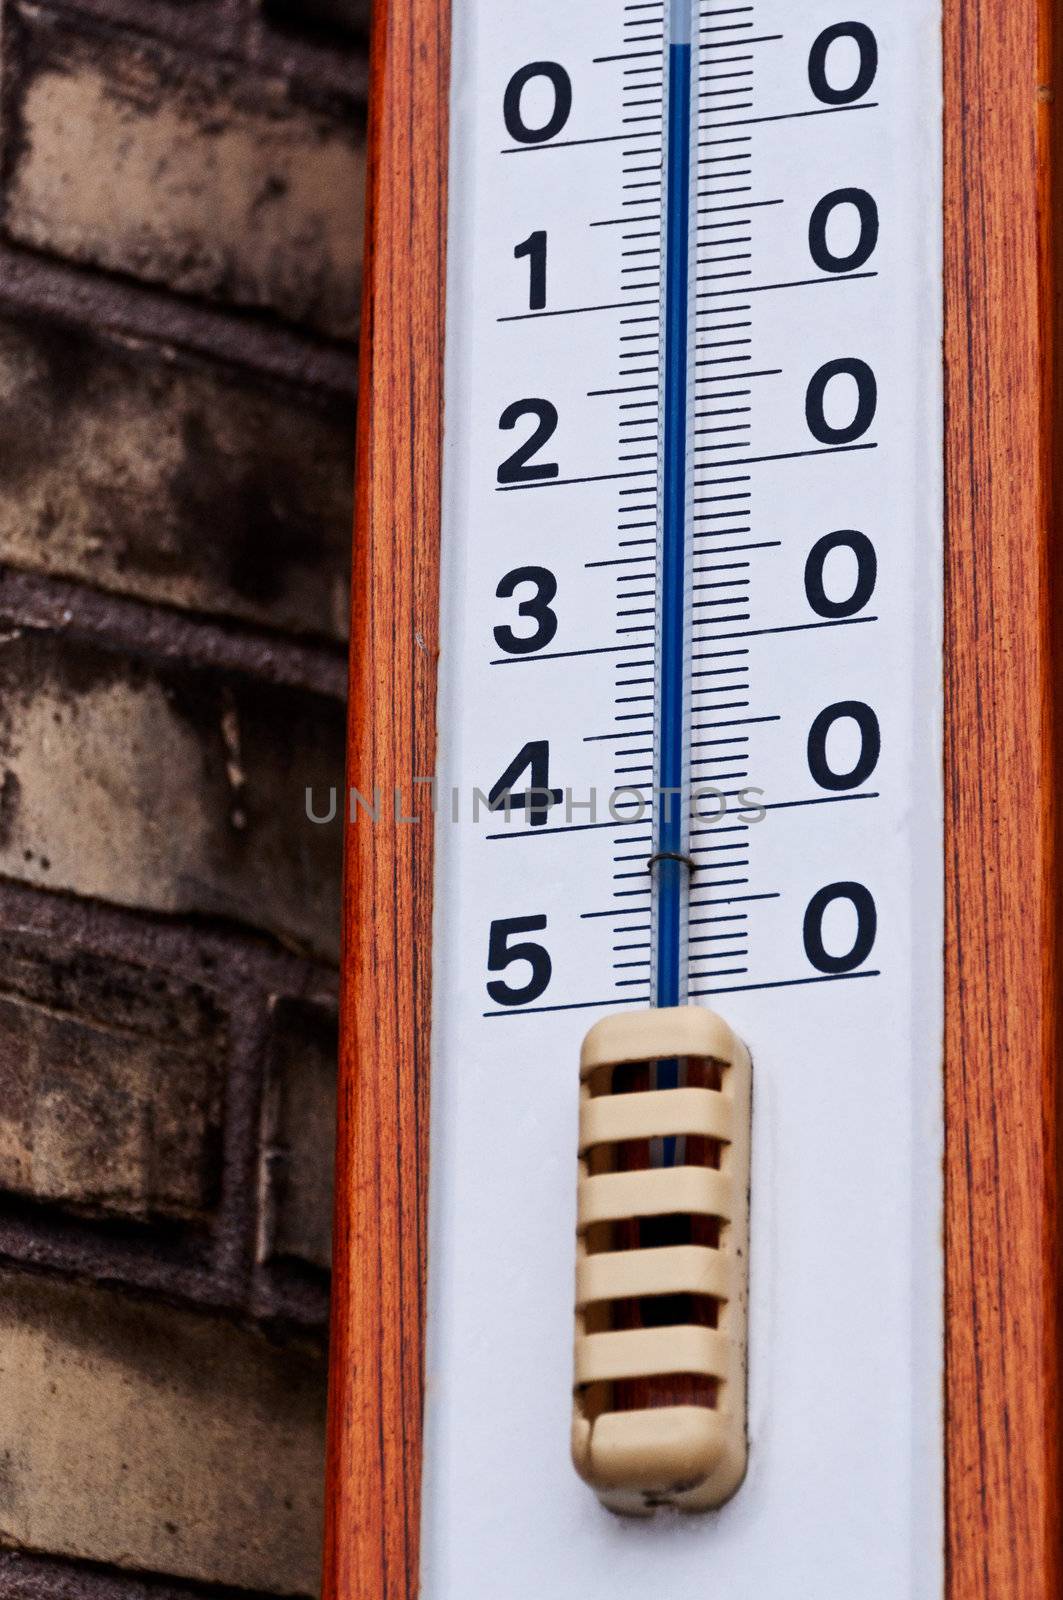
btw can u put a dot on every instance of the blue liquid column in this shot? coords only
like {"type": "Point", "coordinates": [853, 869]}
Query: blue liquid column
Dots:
{"type": "Point", "coordinates": [670, 807]}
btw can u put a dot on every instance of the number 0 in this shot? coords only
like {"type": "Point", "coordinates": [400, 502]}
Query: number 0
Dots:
{"type": "Point", "coordinates": [866, 401]}
{"type": "Point", "coordinates": [866, 927]}
{"type": "Point", "coordinates": [866, 573]}
{"type": "Point", "coordinates": [870, 745]}
{"type": "Point", "coordinates": [863, 250]}
{"type": "Point", "coordinates": [866, 44]}
{"type": "Point", "coordinates": [561, 84]}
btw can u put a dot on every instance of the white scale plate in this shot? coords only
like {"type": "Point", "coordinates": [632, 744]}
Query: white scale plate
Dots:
{"type": "Point", "coordinates": [844, 1491]}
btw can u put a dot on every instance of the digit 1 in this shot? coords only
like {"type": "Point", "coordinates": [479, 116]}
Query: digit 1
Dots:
{"type": "Point", "coordinates": [534, 247]}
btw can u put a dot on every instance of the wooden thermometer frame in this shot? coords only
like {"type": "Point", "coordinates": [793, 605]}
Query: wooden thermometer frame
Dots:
{"type": "Point", "coordinates": [1003, 591]}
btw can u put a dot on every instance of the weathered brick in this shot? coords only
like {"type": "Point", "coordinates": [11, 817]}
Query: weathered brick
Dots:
{"type": "Point", "coordinates": [299, 1122]}
{"type": "Point", "coordinates": [135, 470]}
{"type": "Point", "coordinates": [159, 1440]}
{"type": "Point", "coordinates": [200, 175]}
{"type": "Point", "coordinates": [166, 787]}
{"type": "Point", "coordinates": [114, 1108]}
{"type": "Point", "coordinates": [106, 988]}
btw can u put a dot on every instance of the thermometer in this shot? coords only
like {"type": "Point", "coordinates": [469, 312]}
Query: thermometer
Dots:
{"type": "Point", "coordinates": [688, 680]}
{"type": "Point", "coordinates": [665, 876]}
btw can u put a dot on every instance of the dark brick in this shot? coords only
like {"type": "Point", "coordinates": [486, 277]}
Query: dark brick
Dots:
{"type": "Point", "coordinates": [102, 1121]}
{"type": "Point", "coordinates": [174, 790]}
{"type": "Point", "coordinates": [130, 468]}
{"type": "Point", "coordinates": [200, 175]}
{"type": "Point", "coordinates": [298, 1132]}
{"type": "Point", "coordinates": [110, 1084]}
{"type": "Point", "coordinates": [106, 987]}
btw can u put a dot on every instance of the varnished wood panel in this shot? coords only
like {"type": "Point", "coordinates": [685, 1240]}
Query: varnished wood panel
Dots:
{"type": "Point", "coordinates": [376, 1391]}
{"type": "Point", "coordinates": [1002, 911]}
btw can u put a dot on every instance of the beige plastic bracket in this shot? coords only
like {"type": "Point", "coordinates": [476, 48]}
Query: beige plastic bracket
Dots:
{"type": "Point", "coordinates": [662, 1274]}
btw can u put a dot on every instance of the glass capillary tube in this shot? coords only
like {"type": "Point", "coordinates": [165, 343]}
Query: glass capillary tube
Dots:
{"type": "Point", "coordinates": [669, 868]}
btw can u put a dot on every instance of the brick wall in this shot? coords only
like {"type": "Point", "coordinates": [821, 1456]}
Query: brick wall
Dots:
{"type": "Point", "coordinates": [181, 187]}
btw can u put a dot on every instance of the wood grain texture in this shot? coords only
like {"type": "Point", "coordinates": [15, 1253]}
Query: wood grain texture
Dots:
{"type": "Point", "coordinates": [376, 1388]}
{"type": "Point", "coordinates": [1002, 748]}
